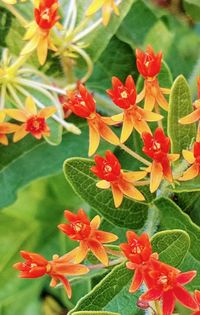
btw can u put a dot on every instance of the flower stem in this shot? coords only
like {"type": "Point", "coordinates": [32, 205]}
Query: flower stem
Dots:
{"type": "Point", "coordinates": [18, 16]}
{"type": "Point", "coordinates": [134, 154]}
{"type": "Point", "coordinates": [114, 252]}
{"type": "Point", "coordinates": [88, 61]}
{"type": "Point", "coordinates": [111, 263]}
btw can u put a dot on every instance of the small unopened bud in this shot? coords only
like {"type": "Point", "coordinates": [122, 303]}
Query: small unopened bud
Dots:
{"type": "Point", "coordinates": [142, 304]}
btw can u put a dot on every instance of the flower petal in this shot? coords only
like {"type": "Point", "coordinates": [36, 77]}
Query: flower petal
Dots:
{"type": "Point", "coordinates": [150, 116]}
{"type": "Point", "coordinates": [105, 237]}
{"type": "Point", "coordinates": [95, 222]}
{"type": "Point", "coordinates": [94, 7]}
{"type": "Point", "coordinates": [17, 114]}
{"type": "Point", "coordinates": [192, 172]}
{"type": "Point", "coordinates": [118, 118]}
{"type": "Point", "coordinates": [99, 251]}
{"type": "Point", "coordinates": [136, 282]}
{"type": "Point", "coordinates": [127, 127]}
{"type": "Point", "coordinates": [186, 277]}
{"type": "Point", "coordinates": [162, 101]}
{"type": "Point", "coordinates": [133, 176]}
{"type": "Point", "coordinates": [188, 156]}
{"type": "Point", "coordinates": [82, 252]}
{"type": "Point", "coordinates": [20, 133]}
{"type": "Point", "coordinates": [117, 195]}
{"type": "Point", "coordinates": [107, 134]}
{"type": "Point", "coordinates": [151, 295]}
{"type": "Point", "coordinates": [132, 192]}
{"type": "Point", "coordinates": [191, 118]}
{"type": "Point", "coordinates": [168, 302]}
{"type": "Point", "coordinates": [185, 298]}
{"type": "Point", "coordinates": [156, 176]}
{"type": "Point", "coordinates": [94, 139]}
{"type": "Point", "coordinates": [69, 269]}
{"type": "Point", "coordinates": [149, 101]}
{"type": "Point", "coordinates": [42, 49]}
{"type": "Point", "coordinates": [47, 112]}
{"type": "Point", "coordinates": [103, 184]}
{"type": "Point", "coordinates": [31, 45]}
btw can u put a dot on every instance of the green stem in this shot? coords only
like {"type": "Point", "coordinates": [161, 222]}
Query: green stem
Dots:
{"type": "Point", "coordinates": [134, 154]}
{"type": "Point", "coordinates": [18, 16]}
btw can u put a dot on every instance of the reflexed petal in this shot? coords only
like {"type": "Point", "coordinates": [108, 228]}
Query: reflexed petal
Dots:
{"type": "Point", "coordinates": [140, 96]}
{"type": "Point", "coordinates": [132, 192]}
{"type": "Point", "coordinates": [197, 296]}
{"type": "Point", "coordinates": [188, 156]}
{"type": "Point", "coordinates": [186, 277]}
{"type": "Point", "coordinates": [42, 49]}
{"type": "Point", "coordinates": [149, 101]}
{"type": "Point", "coordinates": [117, 195]}
{"type": "Point", "coordinates": [162, 101]}
{"type": "Point", "coordinates": [106, 12]}
{"type": "Point", "coordinates": [105, 237]}
{"type": "Point", "coordinates": [118, 118]}
{"type": "Point", "coordinates": [151, 295]}
{"type": "Point", "coordinates": [95, 222]}
{"type": "Point", "coordinates": [141, 126]}
{"type": "Point", "coordinates": [165, 90]}
{"type": "Point", "coordinates": [108, 121]}
{"type": "Point", "coordinates": [31, 45]}
{"type": "Point", "coordinates": [20, 133]}
{"type": "Point", "coordinates": [69, 256]}
{"type": "Point", "coordinates": [94, 7]}
{"type": "Point", "coordinates": [66, 284]}
{"type": "Point", "coordinates": [7, 127]}
{"type": "Point", "coordinates": [191, 118]}
{"type": "Point", "coordinates": [47, 112]}
{"type": "Point", "coordinates": [34, 257]}
{"type": "Point", "coordinates": [2, 115]}
{"type": "Point", "coordinates": [30, 105]}
{"type": "Point", "coordinates": [173, 157]}
{"type": "Point", "coordinates": [192, 172]}
{"type": "Point", "coordinates": [3, 139]}
{"type": "Point", "coordinates": [17, 114]}
{"type": "Point", "coordinates": [168, 302]}
{"type": "Point", "coordinates": [70, 269]}
{"type": "Point", "coordinates": [184, 297]}
{"type": "Point", "coordinates": [127, 127]}
{"type": "Point", "coordinates": [107, 134]}
{"type": "Point", "coordinates": [82, 252]}
{"type": "Point", "coordinates": [103, 184]}
{"type": "Point", "coordinates": [94, 139]}
{"type": "Point", "coordinates": [99, 251]}
{"type": "Point", "coordinates": [156, 176]}
{"type": "Point", "coordinates": [150, 116]}
{"type": "Point", "coordinates": [134, 176]}
{"type": "Point", "coordinates": [32, 29]}
{"type": "Point", "coordinates": [136, 282]}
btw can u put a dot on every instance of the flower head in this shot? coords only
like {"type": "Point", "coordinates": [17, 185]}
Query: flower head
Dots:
{"type": "Point", "coordinates": [165, 283]}
{"type": "Point", "coordinates": [148, 63]}
{"type": "Point", "coordinates": [109, 170]}
{"type": "Point", "coordinates": [46, 14]}
{"type": "Point", "coordinates": [33, 122]}
{"type": "Point", "coordinates": [157, 147]}
{"type": "Point", "coordinates": [82, 103]}
{"type": "Point", "coordinates": [81, 229]}
{"type": "Point", "coordinates": [36, 266]}
{"type": "Point", "coordinates": [133, 117]}
{"type": "Point", "coordinates": [5, 128]}
{"type": "Point", "coordinates": [139, 253]}
{"type": "Point", "coordinates": [107, 7]}
{"type": "Point", "coordinates": [192, 157]}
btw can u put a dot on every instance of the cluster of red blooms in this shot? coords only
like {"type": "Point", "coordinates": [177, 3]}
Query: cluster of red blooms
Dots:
{"type": "Point", "coordinates": [164, 282]}
{"type": "Point", "coordinates": [156, 147]}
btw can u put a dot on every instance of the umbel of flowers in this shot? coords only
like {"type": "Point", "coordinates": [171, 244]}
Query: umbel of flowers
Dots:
{"type": "Point", "coordinates": [164, 283]}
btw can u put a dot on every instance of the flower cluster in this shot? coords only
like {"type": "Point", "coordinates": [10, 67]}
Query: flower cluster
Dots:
{"type": "Point", "coordinates": [164, 282]}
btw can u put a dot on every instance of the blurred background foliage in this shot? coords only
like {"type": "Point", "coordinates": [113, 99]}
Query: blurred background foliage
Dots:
{"type": "Point", "coordinates": [34, 193]}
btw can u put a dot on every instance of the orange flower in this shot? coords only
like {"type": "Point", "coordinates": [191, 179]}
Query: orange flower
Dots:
{"type": "Point", "coordinates": [139, 253]}
{"type": "Point", "coordinates": [5, 128]}
{"type": "Point", "coordinates": [192, 157]}
{"type": "Point", "coordinates": [36, 266]}
{"type": "Point", "coordinates": [46, 16]}
{"type": "Point", "coordinates": [149, 65]}
{"type": "Point", "coordinates": [107, 7]}
{"type": "Point", "coordinates": [82, 103]}
{"type": "Point", "coordinates": [157, 147]}
{"type": "Point", "coordinates": [133, 116]}
{"type": "Point", "coordinates": [165, 283]}
{"type": "Point", "coordinates": [121, 183]}
{"type": "Point", "coordinates": [81, 229]}
{"type": "Point", "coordinates": [33, 122]}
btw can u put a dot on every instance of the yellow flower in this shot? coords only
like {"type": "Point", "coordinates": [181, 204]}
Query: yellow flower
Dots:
{"type": "Point", "coordinates": [107, 7]}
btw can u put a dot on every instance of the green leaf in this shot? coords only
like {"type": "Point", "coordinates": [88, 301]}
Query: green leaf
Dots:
{"type": "Point", "coordinates": [171, 245]}
{"type": "Point", "coordinates": [111, 294]}
{"type": "Point", "coordinates": [130, 214]}
{"type": "Point", "coordinates": [172, 218]}
{"type": "Point", "coordinates": [94, 313]}
{"type": "Point", "coordinates": [180, 105]}
{"type": "Point", "coordinates": [192, 8]}
{"type": "Point", "coordinates": [188, 186]}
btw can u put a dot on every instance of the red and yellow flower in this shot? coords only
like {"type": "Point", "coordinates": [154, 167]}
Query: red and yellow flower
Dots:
{"type": "Point", "coordinates": [149, 66]}
{"type": "Point", "coordinates": [82, 103]}
{"type": "Point", "coordinates": [157, 147]}
{"type": "Point", "coordinates": [81, 229]}
{"type": "Point", "coordinates": [33, 122]}
{"type": "Point", "coordinates": [36, 266]}
{"type": "Point", "coordinates": [165, 283]}
{"type": "Point", "coordinates": [197, 299]}
{"type": "Point", "coordinates": [138, 250]}
{"type": "Point", "coordinates": [133, 117]}
{"type": "Point", "coordinates": [121, 183]}
{"type": "Point", "coordinates": [38, 33]}
{"type": "Point", "coordinates": [192, 157]}
{"type": "Point", "coordinates": [107, 7]}
{"type": "Point", "coordinates": [5, 128]}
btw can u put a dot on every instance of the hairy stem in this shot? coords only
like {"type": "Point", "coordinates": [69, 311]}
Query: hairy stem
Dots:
{"type": "Point", "coordinates": [134, 154]}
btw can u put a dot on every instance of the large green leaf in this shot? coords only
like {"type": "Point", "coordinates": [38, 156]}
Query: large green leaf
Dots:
{"type": "Point", "coordinates": [180, 105]}
{"type": "Point", "coordinates": [172, 218]}
{"type": "Point", "coordinates": [111, 294]}
{"type": "Point", "coordinates": [171, 245]}
{"type": "Point", "coordinates": [130, 214]}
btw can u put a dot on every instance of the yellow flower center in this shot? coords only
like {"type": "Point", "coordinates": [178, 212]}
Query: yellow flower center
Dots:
{"type": "Point", "coordinates": [45, 15]}
{"type": "Point", "coordinates": [78, 227]}
{"type": "Point", "coordinates": [163, 280]}
{"type": "Point", "coordinates": [124, 94]}
{"type": "Point", "coordinates": [108, 168]}
{"type": "Point", "coordinates": [156, 146]}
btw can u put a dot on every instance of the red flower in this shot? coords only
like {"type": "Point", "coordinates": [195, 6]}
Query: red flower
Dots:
{"type": "Point", "coordinates": [197, 299]}
{"type": "Point", "coordinates": [82, 103]}
{"type": "Point", "coordinates": [63, 99]}
{"type": "Point", "coordinates": [46, 15]}
{"type": "Point", "coordinates": [121, 183]}
{"type": "Point", "coordinates": [157, 147]}
{"type": "Point", "coordinates": [192, 157]}
{"type": "Point", "coordinates": [81, 229]}
{"type": "Point", "coordinates": [149, 65]}
{"type": "Point", "coordinates": [138, 250]}
{"type": "Point", "coordinates": [36, 266]}
{"type": "Point", "coordinates": [133, 116]}
{"type": "Point", "coordinates": [165, 283]}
